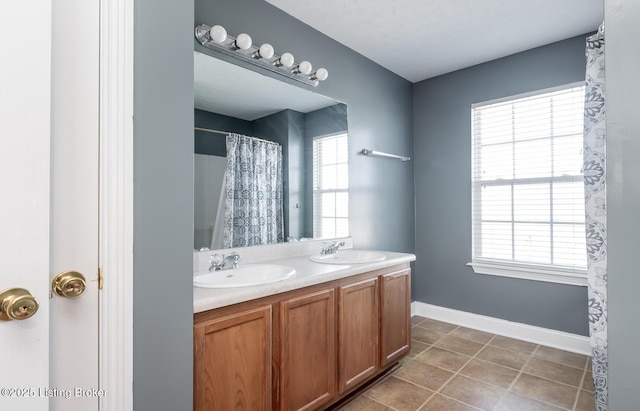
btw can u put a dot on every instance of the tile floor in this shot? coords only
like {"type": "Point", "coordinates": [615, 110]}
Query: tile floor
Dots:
{"type": "Point", "coordinates": [452, 368]}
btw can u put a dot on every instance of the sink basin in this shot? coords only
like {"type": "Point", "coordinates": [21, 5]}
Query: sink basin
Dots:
{"type": "Point", "coordinates": [244, 276]}
{"type": "Point", "coordinates": [349, 257]}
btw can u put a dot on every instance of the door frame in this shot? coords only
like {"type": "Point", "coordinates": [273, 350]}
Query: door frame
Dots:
{"type": "Point", "coordinates": [116, 204]}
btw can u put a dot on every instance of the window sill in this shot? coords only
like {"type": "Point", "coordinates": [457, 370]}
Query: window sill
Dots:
{"type": "Point", "coordinates": [526, 272]}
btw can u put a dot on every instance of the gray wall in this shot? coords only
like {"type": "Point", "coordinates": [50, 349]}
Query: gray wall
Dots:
{"type": "Point", "coordinates": [442, 143]}
{"type": "Point", "coordinates": [622, 55]}
{"type": "Point", "coordinates": [163, 206]}
{"type": "Point", "coordinates": [380, 116]}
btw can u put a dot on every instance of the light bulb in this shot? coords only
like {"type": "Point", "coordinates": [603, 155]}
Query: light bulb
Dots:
{"type": "Point", "coordinates": [286, 60]}
{"type": "Point", "coordinates": [321, 74]}
{"type": "Point", "coordinates": [304, 67]}
{"type": "Point", "coordinates": [265, 51]}
{"type": "Point", "coordinates": [243, 41]}
{"type": "Point", "coordinates": [218, 33]}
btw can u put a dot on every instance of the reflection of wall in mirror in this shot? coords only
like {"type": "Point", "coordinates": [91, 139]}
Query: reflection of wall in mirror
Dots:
{"type": "Point", "coordinates": [319, 123]}
{"type": "Point", "coordinates": [208, 172]}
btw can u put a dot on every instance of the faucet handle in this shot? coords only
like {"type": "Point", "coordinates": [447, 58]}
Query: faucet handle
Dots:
{"type": "Point", "coordinates": [234, 258]}
{"type": "Point", "coordinates": [331, 247]}
{"type": "Point", "coordinates": [216, 261]}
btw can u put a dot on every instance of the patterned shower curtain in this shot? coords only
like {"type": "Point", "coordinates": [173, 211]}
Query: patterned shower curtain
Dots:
{"type": "Point", "coordinates": [253, 192]}
{"type": "Point", "coordinates": [596, 212]}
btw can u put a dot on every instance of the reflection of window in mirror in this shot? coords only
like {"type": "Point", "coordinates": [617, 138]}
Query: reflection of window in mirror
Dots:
{"type": "Point", "coordinates": [330, 186]}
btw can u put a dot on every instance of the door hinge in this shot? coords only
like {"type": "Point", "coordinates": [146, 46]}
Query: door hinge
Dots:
{"type": "Point", "coordinates": [100, 278]}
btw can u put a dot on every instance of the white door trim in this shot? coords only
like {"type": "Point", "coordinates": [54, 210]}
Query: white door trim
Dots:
{"type": "Point", "coordinates": [116, 204]}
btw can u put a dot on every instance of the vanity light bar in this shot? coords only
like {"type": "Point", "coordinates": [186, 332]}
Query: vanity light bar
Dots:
{"type": "Point", "coordinates": [241, 47]}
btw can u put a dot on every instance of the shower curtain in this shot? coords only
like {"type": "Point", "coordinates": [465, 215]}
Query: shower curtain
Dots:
{"type": "Point", "coordinates": [595, 211]}
{"type": "Point", "coordinates": [253, 197]}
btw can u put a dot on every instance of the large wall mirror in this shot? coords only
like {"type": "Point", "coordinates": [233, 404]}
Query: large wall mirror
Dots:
{"type": "Point", "coordinates": [310, 131]}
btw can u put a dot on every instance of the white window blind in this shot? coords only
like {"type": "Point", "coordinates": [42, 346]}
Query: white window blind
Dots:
{"type": "Point", "coordinates": [527, 186]}
{"type": "Point", "coordinates": [330, 186]}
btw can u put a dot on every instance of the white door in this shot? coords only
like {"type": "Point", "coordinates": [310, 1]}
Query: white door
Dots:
{"type": "Point", "coordinates": [25, 88]}
{"type": "Point", "coordinates": [74, 357]}
{"type": "Point", "coordinates": [49, 207]}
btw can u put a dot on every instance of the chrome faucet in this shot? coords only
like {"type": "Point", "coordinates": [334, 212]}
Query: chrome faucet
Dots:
{"type": "Point", "coordinates": [331, 247]}
{"type": "Point", "coordinates": [217, 261]}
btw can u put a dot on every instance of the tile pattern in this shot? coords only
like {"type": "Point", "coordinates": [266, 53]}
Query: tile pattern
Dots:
{"type": "Point", "coordinates": [452, 368]}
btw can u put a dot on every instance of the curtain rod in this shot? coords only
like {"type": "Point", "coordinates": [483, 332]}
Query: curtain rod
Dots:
{"type": "Point", "coordinates": [208, 130]}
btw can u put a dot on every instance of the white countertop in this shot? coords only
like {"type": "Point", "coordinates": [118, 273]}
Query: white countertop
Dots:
{"type": "Point", "coordinates": [307, 273]}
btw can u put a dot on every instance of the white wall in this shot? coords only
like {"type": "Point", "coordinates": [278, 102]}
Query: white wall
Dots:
{"type": "Point", "coordinates": [622, 59]}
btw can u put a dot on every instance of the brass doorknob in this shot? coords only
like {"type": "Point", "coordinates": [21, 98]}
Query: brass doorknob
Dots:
{"type": "Point", "coordinates": [17, 304]}
{"type": "Point", "coordinates": [69, 284]}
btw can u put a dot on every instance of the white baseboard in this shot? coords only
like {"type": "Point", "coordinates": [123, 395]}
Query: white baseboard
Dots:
{"type": "Point", "coordinates": [538, 335]}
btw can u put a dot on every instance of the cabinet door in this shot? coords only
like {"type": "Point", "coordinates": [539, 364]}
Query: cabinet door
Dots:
{"type": "Point", "coordinates": [307, 351]}
{"type": "Point", "coordinates": [357, 333]}
{"type": "Point", "coordinates": [395, 316]}
{"type": "Point", "coordinates": [232, 367]}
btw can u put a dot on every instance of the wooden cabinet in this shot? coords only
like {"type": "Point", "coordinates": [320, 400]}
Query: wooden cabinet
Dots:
{"type": "Point", "coordinates": [232, 367]}
{"type": "Point", "coordinates": [395, 316]}
{"type": "Point", "coordinates": [307, 351]}
{"type": "Point", "coordinates": [358, 331]}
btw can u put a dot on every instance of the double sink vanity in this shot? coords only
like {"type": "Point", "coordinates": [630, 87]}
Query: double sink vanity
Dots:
{"type": "Point", "coordinates": [293, 329]}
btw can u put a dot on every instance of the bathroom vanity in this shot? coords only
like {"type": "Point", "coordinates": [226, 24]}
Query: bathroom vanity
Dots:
{"type": "Point", "coordinates": [305, 343]}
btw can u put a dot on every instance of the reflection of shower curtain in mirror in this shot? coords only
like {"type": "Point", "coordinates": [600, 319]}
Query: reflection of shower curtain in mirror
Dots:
{"type": "Point", "coordinates": [253, 197]}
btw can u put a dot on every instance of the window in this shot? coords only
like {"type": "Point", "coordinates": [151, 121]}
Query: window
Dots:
{"type": "Point", "coordinates": [527, 186]}
{"type": "Point", "coordinates": [330, 186]}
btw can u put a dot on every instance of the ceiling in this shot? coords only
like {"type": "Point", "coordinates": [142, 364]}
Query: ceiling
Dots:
{"type": "Point", "coordinates": [420, 39]}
